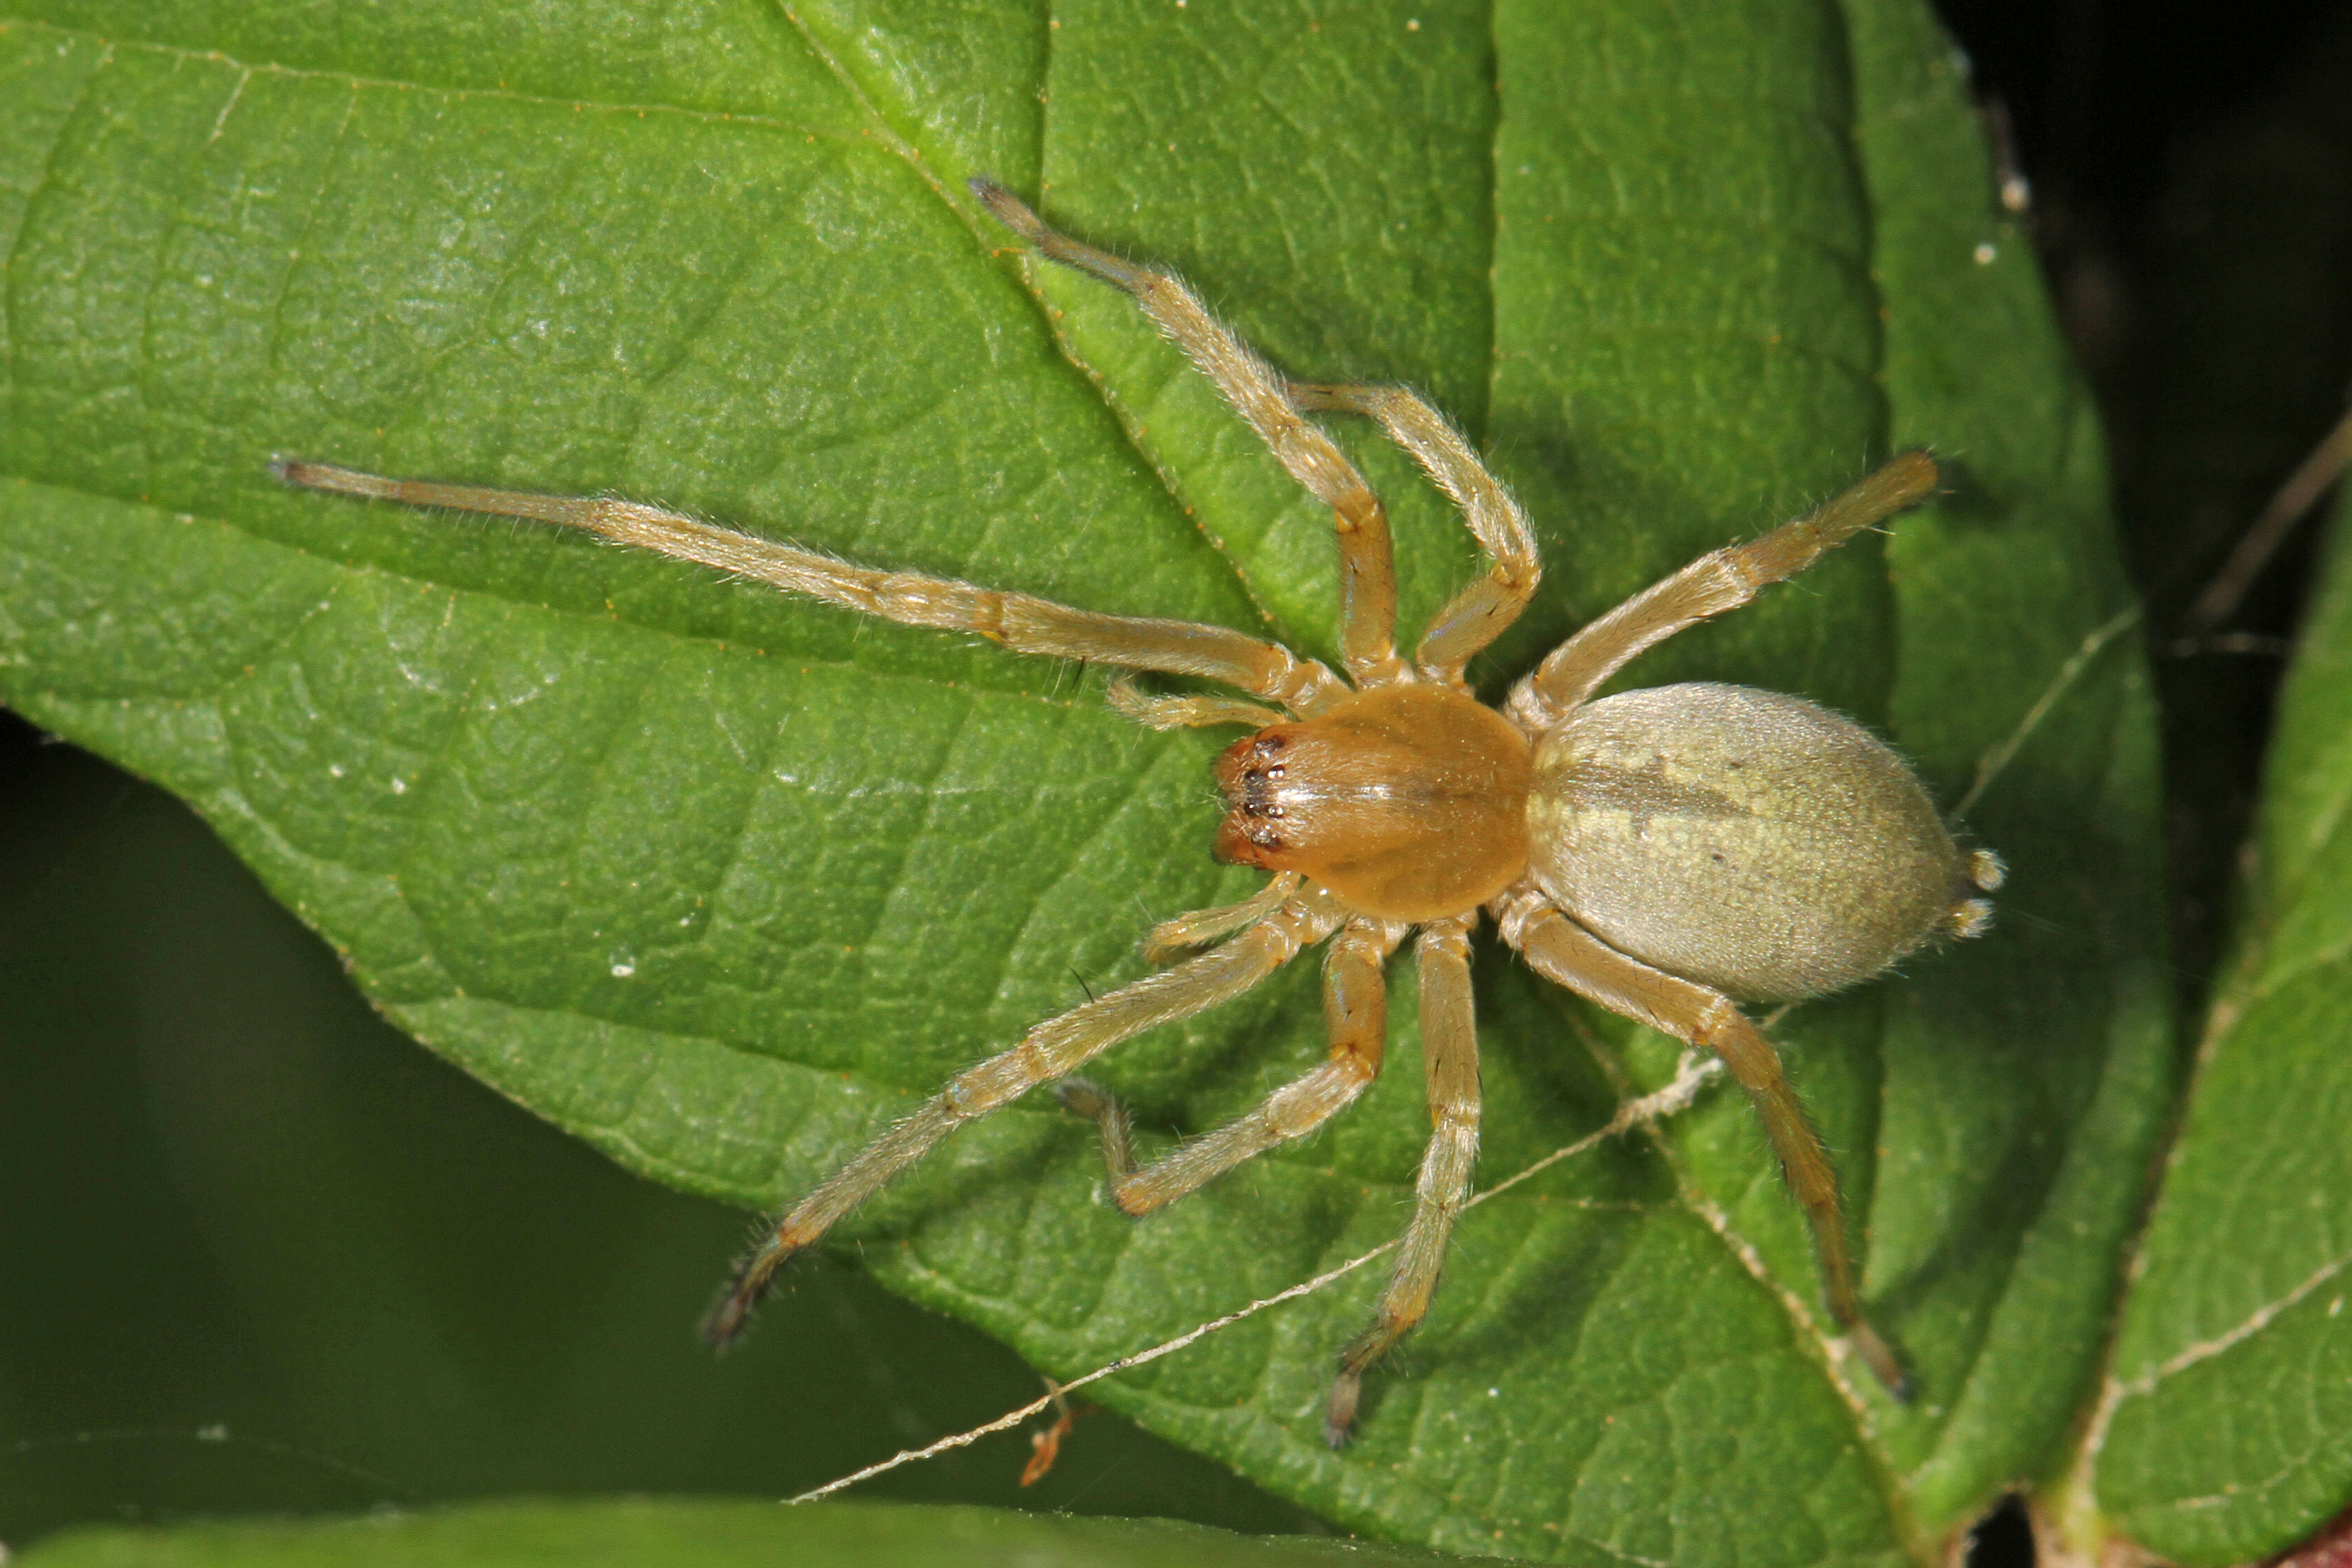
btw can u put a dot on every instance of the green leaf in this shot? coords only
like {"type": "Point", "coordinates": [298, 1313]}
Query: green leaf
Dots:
{"type": "Point", "coordinates": [722, 882]}
{"type": "Point", "coordinates": [2225, 1429]}
{"type": "Point", "coordinates": [644, 1534]}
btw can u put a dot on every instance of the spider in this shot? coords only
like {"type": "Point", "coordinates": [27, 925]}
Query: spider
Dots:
{"type": "Point", "coordinates": [1667, 853]}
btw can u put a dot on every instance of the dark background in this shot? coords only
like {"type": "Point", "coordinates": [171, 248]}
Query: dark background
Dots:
{"type": "Point", "coordinates": [260, 1252]}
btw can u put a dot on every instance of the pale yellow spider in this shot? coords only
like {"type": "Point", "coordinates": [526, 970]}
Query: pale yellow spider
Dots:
{"type": "Point", "coordinates": [1665, 853]}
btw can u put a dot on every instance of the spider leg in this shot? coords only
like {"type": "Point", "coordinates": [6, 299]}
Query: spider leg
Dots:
{"type": "Point", "coordinates": [1187, 712]}
{"type": "Point", "coordinates": [1563, 951]}
{"type": "Point", "coordinates": [1018, 621]}
{"type": "Point", "coordinates": [1058, 1046]}
{"type": "Point", "coordinates": [1355, 1012]}
{"type": "Point", "coordinates": [1718, 581]}
{"type": "Point", "coordinates": [1170, 937]}
{"type": "Point", "coordinates": [1449, 1046]}
{"type": "Point", "coordinates": [1486, 609]}
{"type": "Point", "coordinates": [1367, 571]}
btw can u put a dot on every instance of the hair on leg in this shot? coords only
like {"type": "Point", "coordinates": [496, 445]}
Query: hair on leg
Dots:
{"type": "Point", "coordinates": [1718, 581]}
{"type": "Point", "coordinates": [1049, 1050]}
{"type": "Point", "coordinates": [1163, 943]}
{"type": "Point", "coordinates": [1019, 621]}
{"type": "Point", "coordinates": [1355, 1013]}
{"type": "Point", "coordinates": [1483, 611]}
{"type": "Point", "coordinates": [1260, 396]}
{"type": "Point", "coordinates": [1449, 1046]}
{"type": "Point", "coordinates": [1187, 712]}
{"type": "Point", "coordinates": [1558, 949]}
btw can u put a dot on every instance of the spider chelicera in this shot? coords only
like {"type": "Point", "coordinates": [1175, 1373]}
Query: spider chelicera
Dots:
{"type": "Point", "coordinates": [1667, 853]}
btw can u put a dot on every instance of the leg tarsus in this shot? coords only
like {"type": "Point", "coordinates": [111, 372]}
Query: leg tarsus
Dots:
{"type": "Point", "coordinates": [1876, 1354]}
{"type": "Point", "coordinates": [1347, 1394]}
{"type": "Point", "coordinates": [1022, 219]}
{"type": "Point", "coordinates": [749, 1285]}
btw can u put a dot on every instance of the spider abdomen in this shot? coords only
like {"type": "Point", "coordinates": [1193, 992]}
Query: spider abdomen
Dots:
{"type": "Point", "coordinates": [1409, 802]}
{"type": "Point", "coordinates": [1748, 840]}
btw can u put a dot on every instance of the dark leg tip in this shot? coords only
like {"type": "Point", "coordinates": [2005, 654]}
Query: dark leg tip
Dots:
{"type": "Point", "coordinates": [1339, 1415]}
{"type": "Point", "coordinates": [1879, 1357]}
{"type": "Point", "coordinates": [1002, 204]}
{"type": "Point", "coordinates": [724, 1321]}
{"type": "Point", "coordinates": [727, 1321]}
{"type": "Point", "coordinates": [1006, 208]}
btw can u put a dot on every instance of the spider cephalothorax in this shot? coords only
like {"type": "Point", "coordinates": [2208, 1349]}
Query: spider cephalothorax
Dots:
{"type": "Point", "coordinates": [1409, 801]}
{"type": "Point", "coordinates": [1665, 853]}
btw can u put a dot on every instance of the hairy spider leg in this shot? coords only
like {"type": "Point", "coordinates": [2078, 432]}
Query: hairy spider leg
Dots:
{"type": "Point", "coordinates": [1355, 1015]}
{"type": "Point", "coordinates": [1049, 1050]}
{"type": "Point", "coordinates": [1187, 712]}
{"type": "Point", "coordinates": [1718, 581]}
{"type": "Point", "coordinates": [1449, 1055]}
{"type": "Point", "coordinates": [1019, 621]}
{"type": "Point", "coordinates": [1483, 611]}
{"type": "Point", "coordinates": [1172, 938]}
{"type": "Point", "coordinates": [1561, 950]}
{"type": "Point", "coordinates": [1258, 393]}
